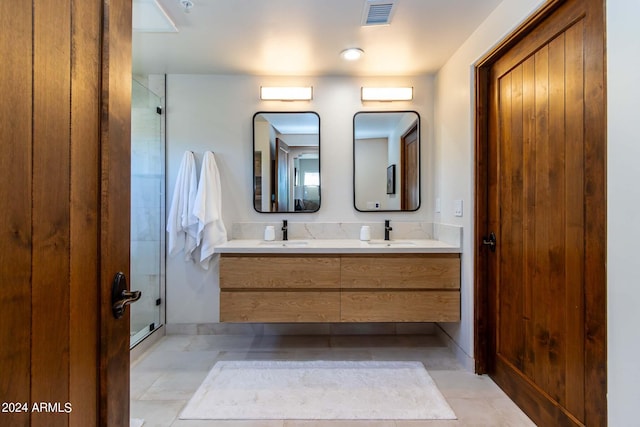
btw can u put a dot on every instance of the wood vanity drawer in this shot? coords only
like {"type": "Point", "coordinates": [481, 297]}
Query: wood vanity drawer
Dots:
{"type": "Point", "coordinates": [400, 306]}
{"type": "Point", "coordinates": [401, 271]}
{"type": "Point", "coordinates": [278, 272]}
{"type": "Point", "coordinates": [340, 288]}
{"type": "Point", "coordinates": [280, 306]}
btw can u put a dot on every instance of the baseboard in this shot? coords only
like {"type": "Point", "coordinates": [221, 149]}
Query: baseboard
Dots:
{"type": "Point", "coordinates": [300, 329]}
{"type": "Point", "coordinates": [144, 345]}
{"type": "Point", "coordinates": [467, 362]}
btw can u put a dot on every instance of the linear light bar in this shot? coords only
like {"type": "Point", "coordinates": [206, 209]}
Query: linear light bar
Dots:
{"type": "Point", "coordinates": [300, 93]}
{"type": "Point", "coordinates": [387, 93]}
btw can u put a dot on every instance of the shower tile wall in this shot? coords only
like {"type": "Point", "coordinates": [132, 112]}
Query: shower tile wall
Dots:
{"type": "Point", "coordinates": [147, 202]}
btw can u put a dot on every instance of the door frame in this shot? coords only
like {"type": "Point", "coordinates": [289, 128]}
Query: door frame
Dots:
{"type": "Point", "coordinates": [595, 204]}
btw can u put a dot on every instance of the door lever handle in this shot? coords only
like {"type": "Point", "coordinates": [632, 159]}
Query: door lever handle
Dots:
{"type": "Point", "coordinates": [121, 296]}
{"type": "Point", "coordinates": [490, 241]}
{"type": "Point", "coordinates": [128, 297]}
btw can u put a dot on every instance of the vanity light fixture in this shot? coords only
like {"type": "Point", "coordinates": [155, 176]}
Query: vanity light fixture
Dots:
{"type": "Point", "coordinates": [290, 93]}
{"type": "Point", "coordinates": [352, 54]}
{"type": "Point", "coordinates": [387, 93]}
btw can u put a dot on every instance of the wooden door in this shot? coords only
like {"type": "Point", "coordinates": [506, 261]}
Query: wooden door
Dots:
{"type": "Point", "coordinates": [115, 209]}
{"type": "Point", "coordinates": [410, 159]}
{"type": "Point", "coordinates": [543, 197]}
{"type": "Point", "coordinates": [64, 222]}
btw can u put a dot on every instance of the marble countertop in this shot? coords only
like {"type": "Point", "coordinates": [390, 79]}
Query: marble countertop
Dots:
{"type": "Point", "coordinates": [336, 246]}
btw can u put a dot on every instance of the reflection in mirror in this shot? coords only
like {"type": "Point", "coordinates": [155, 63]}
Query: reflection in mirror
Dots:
{"type": "Point", "coordinates": [386, 161]}
{"type": "Point", "coordinates": [286, 162]}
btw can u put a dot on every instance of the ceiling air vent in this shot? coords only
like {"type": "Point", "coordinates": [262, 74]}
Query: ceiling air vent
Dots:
{"type": "Point", "coordinates": [378, 12]}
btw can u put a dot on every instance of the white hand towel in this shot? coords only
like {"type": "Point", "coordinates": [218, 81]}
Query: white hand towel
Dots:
{"type": "Point", "coordinates": [208, 210]}
{"type": "Point", "coordinates": [182, 225]}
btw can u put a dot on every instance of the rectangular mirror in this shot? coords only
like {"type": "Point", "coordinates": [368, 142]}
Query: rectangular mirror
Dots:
{"type": "Point", "coordinates": [286, 162]}
{"type": "Point", "coordinates": [386, 161]}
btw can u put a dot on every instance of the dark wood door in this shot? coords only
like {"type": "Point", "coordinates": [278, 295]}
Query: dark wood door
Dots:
{"type": "Point", "coordinates": [545, 204]}
{"type": "Point", "coordinates": [410, 159]}
{"type": "Point", "coordinates": [64, 222]}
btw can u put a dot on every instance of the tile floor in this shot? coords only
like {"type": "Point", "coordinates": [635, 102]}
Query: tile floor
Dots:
{"type": "Point", "coordinates": [164, 378]}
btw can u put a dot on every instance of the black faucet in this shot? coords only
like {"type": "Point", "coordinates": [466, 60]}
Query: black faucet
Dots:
{"type": "Point", "coordinates": [387, 229]}
{"type": "Point", "coordinates": [285, 235]}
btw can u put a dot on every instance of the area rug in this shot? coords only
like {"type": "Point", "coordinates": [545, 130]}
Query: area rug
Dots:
{"type": "Point", "coordinates": [320, 390]}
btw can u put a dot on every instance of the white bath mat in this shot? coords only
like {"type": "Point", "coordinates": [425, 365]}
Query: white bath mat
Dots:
{"type": "Point", "coordinates": [250, 390]}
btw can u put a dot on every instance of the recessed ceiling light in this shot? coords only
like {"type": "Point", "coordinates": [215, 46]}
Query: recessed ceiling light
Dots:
{"type": "Point", "coordinates": [352, 54]}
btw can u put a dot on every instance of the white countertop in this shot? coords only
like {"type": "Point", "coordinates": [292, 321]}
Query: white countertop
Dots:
{"type": "Point", "coordinates": [336, 246]}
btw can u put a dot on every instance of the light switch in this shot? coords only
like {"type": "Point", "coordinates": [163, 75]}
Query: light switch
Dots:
{"type": "Point", "coordinates": [438, 206]}
{"type": "Point", "coordinates": [457, 211]}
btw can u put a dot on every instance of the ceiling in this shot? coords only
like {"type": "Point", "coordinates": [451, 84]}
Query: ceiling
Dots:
{"type": "Point", "coordinates": [305, 37]}
{"type": "Point", "coordinates": [375, 124]}
{"type": "Point", "coordinates": [292, 123]}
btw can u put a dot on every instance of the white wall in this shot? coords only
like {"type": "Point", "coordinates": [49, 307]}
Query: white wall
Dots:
{"type": "Point", "coordinates": [623, 210]}
{"type": "Point", "coordinates": [454, 145]}
{"type": "Point", "coordinates": [214, 112]}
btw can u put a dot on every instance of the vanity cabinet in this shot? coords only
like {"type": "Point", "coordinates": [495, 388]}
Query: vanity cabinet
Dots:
{"type": "Point", "coordinates": [340, 288]}
{"type": "Point", "coordinates": [278, 288]}
{"type": "Point", "coordinates": [400, 288]}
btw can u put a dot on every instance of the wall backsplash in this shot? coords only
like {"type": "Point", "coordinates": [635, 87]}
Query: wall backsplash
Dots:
{"type": "Point", "coordinates": [350, 230]}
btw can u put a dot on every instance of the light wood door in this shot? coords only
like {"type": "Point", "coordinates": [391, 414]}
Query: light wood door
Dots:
{"type": "Point", "coordinates": [64, 223]}
{"type": "Point", "coordinates": [545, 204]}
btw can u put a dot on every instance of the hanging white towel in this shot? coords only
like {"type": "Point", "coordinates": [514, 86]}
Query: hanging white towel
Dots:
{"type": "Point", "coordinates": [208, 210]}
{"type": "Point", "coordinates": [182, 225]}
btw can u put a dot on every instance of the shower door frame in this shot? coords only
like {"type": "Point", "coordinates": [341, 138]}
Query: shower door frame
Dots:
{"type": "Point", "coordinates": [159, 315]}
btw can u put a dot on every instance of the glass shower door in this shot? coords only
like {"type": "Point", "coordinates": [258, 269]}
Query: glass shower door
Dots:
{"type": "Point", "coordinates": [147, 211]}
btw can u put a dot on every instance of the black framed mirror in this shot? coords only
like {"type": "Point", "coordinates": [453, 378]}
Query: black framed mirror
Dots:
{"type": "Point", "coordinates": [286, 162]}
{"type": "Point", "coordinates": [386, 161]}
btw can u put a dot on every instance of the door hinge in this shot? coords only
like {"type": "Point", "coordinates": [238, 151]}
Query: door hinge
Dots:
{"type": "Point", "coordinates": [159, 301]}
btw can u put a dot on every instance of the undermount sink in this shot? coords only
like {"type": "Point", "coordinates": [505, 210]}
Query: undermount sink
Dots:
{"type": "Point", "coordinates": [396, 243]}
{"type": "Point", "coordinates": [285, 243]}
